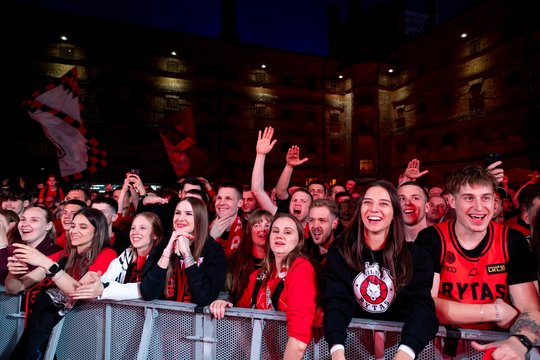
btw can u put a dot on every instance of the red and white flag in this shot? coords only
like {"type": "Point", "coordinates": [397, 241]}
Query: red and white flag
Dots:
{"type": "Point", "coordinates": [178, 135]}
{"type": "Point", "coordinates": [58, 110]}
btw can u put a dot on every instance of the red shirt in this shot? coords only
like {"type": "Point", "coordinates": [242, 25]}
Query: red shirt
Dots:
{"type": "Point", "coordinates": [101, 263]}
{"type": "Point", "coordinates": [474, 280]}
{"type": "Point", "coordinates": [62, 240]}
{"type": "Point", "coordinates": [298, 298]}
{"type": "Point", "coordinates": [231, 243]}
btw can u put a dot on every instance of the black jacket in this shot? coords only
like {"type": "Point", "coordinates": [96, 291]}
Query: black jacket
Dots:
{"type": "Point", "coordinates": [205, 281]}
{"type": "Point", "coordinates": [413, 305]}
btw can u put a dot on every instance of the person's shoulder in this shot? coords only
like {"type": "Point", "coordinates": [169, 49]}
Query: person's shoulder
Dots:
{"type": "Point", "coordinates": [48, 246]}
{"type": "Point", "coordinates": [301, 263]}
{"type": "Point", "coordinates": [429, 240]}
{"type": "Point", "coordinates": [517, 240]}
{"type": "Point", "coordinates": [431, 232]}
{"type": "Point", "coordinates": [511, 220]}
{"type": "Point", "coordinates": [55, 248]}
{"type": "Point", "coordinates": [127, 253]}
{"type": "Point", "coordinates": [55, 256]}
{"type": "Point", "coordinates": [515, 234]}
{"type": "Point", "coordinates": [418, 252]}
{"type": "Point", "coordinates": [212, 246]}
{"type": "Point", "coordinates": [107, 253]}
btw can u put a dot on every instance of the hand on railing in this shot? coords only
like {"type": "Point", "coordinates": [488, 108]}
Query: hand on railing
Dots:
{"type": "Point", "coordinates": [217, 308]}
{"type": "Point", "coordinates": [91, 287]}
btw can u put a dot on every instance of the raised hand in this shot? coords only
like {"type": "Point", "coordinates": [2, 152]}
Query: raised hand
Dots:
{"type": "Point", "coordinates": [496, 171]}
{"type": "Point", "coordinates": [265, 144]}
{"type": "Point", "coordinates": [413, 170]}
{"type": "Point", "coordinates": [182, 241]}
{"type": "Point", "coordinates": [30, 255]}
{"type": "Point", "coordinates": [293, 156]}
{"type": "Point", "coordinates": [220, 225]}
{"type": "Point", "coordinates": [134, 181]}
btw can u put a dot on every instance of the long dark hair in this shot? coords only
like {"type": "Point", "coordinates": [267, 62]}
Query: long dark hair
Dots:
{"type": "Point", "coordinates": [78, 264]}
{"type": "Point", "coordinates": [200, 218]}
{"type": "Point", "coordinates": [240, 263]}
{"type": "Point", "coordinates": [396, 255]}
{"type": "Point", "coordinates": [200, 231]}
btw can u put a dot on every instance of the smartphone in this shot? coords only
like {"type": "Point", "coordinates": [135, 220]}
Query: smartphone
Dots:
{"type": "Point", "coordinates": [135, 172]}
{"type": "Point", "coordinates": [491, 158]}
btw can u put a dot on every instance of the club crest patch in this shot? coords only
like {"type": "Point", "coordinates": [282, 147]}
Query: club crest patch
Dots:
{"type": "Point", "coordinates": [374, 291]}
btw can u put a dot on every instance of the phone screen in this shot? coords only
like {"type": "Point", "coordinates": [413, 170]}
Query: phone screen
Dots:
{"type": "Point", "coordinates": [491, 158]}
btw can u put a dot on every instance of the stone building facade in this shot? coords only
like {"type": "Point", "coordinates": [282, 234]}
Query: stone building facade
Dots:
{"type": "Point", "coordinates": [449, 100]}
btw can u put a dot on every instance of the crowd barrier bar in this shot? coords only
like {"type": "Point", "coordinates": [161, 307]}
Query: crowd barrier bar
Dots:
{"type": "Point", "coordinates": [164, 330]}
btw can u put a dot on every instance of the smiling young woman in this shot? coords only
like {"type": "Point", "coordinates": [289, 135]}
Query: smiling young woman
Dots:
{"type": "Point", "coordinates": [56, 277]}
{"type": "Point", "coordinates": [372, 272]}
{"type": "Point", "coordinates": [188, 266]}
{"type": "Point", "coordinates": [286, 282]}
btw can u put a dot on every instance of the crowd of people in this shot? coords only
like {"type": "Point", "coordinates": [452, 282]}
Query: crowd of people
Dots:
{"type": "Point", "coordinates": [464, 253]}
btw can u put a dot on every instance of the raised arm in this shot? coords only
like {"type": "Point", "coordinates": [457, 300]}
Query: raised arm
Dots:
{"type": "Point", "coordinates": [209, 190]}
{"type": "Point", "coordinates": [130, 182]}
{"type": "Point", "coordinates": [292, 159]}
{"type": "Point", "coordinates": [265, 144]}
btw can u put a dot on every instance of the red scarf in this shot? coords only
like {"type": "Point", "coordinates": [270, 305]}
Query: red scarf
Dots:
{"type": "Point", "coordinates": [177, 283]}
{"type": "Point", "coordinates": [136, 270]}
{"type": "Point", "coordinates": [230, 244]}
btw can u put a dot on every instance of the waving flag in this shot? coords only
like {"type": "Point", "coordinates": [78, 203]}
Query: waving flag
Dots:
{"type": "Point", "coordinates": [178, 135]}
{"type": "Point", "coordinates": [58, 111]}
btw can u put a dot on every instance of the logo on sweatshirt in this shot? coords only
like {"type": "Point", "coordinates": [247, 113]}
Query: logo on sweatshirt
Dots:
{"type": "Point", "coordinates": [374, 289]}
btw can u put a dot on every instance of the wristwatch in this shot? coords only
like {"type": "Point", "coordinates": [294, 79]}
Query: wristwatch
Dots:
{"type": "Point", "coordinates": [53, 270]}
{"type": "Point", "coordinates": [525, 341]}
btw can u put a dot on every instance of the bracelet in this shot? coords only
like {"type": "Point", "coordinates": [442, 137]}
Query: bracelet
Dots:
{"type": "Point", "coordinates": [497, 313]}
{"type": "Point", "coordinates": [142, 196]}
{"type": "Point", "coordinates": [56, 277]}
{"type": "Point", "coordinates": [188, 261]}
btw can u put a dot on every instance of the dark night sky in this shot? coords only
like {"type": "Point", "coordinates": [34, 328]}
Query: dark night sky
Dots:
{"type": "Point", "coordinates": [296, 25]}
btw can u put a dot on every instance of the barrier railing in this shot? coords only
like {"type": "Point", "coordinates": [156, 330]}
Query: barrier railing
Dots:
{"type": "Point", "coordinates": [164, 330]}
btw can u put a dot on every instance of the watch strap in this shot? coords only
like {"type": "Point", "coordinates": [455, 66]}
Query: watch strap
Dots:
{"type": "Point", "coordinates": [53, 270]}
{"type": "Point", "coordinates": [524, 340]}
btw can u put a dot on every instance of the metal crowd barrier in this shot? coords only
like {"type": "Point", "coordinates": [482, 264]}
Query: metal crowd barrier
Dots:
{"type": "Point", "coordinates": [164, 330]}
